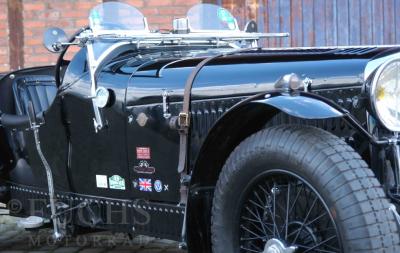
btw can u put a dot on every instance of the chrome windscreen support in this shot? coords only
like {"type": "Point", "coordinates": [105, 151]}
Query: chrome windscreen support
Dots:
{"type": "Point", "coordinates": [98, 119]}
{"type": "Point", "coordinates": [57, 235]}
{"type": "Point", "coordinates": [95, 63]}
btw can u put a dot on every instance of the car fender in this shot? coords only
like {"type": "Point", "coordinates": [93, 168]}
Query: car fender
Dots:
{"type": "Point", "coordinates": [240, 121]}
{"type": "Point", "coordinates": [252, 114]}
{"type": "Point", "coordinates": [301, 105]}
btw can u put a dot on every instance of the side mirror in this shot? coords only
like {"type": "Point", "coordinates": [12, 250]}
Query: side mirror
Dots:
{"type": "Point", "coordinates": [251, 27]}
{"type": "Point", "coordinates": [102, 98]}
{"type": "Point", "coordinates": [53, 39]}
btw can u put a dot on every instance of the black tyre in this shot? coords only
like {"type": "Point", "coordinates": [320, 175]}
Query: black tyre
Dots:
{"type": "Point", "coordinates": [300, 189]}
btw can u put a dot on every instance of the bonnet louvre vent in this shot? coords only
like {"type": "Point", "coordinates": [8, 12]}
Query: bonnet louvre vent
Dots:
{"type": "Point", "coordinates": [306, 51]}
{"type": "Point", "coordinates": [355, 51]}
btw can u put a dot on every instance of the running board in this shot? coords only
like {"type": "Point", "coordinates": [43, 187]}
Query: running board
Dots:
{"type": "Point", "coordinates": [135, 216]}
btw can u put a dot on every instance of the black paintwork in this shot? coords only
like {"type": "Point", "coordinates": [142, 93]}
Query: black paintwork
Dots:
{"type": "Point", "coordinates": [135, 119]}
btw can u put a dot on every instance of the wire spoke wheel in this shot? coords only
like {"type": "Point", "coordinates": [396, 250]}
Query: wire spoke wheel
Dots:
{"type": "Point", "coordinates": [291, 189]}
{"type": "Point", "coordinates": [282, 207]}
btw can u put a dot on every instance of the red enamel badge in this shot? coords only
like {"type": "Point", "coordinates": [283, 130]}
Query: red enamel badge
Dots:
{"type": "Point", "coordinates": [143, 153]}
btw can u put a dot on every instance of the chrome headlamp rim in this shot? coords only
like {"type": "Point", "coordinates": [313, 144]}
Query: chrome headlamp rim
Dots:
{"type": "Point", "coordinates": [373, 93]}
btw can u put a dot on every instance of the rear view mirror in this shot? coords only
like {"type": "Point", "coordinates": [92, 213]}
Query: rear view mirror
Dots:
{"type": "Point", "coordinates": [53, 39]}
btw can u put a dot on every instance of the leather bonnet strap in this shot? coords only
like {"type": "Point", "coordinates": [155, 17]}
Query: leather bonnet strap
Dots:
{"type": "Point", "coordinates": [184, 117]}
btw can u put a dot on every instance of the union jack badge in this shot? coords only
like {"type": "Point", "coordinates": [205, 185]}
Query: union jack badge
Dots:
{"type": "Point", "coordinates": [145, 185]}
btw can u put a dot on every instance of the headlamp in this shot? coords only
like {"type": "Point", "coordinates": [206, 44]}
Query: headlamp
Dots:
{"type": "Point", "coordinates": [385, 94]}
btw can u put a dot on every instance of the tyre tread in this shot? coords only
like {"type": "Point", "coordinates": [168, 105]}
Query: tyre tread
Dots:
{"type": "Point", "coordinates": [371, 227]}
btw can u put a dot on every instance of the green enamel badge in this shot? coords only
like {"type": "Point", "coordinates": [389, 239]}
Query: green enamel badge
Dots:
{"type": "Point", "coordinates": [116, 182]}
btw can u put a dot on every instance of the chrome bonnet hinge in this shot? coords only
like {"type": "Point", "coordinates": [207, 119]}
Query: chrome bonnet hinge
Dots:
{"type": "Point", "coordinates": [165, 103]}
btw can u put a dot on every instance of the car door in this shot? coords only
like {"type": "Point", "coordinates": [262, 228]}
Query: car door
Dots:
{"type": "Point", "coordinates": [97, 160]}
{"type": "Point", "coordinates": [152, 144]}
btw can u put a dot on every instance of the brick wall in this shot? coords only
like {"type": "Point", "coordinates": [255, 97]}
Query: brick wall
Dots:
{"type": "Point", "coordinates": [4, 52]}
{"type": "Point", "coordinates": [71, 15]}
{"type": "Point", "coordinates": [39, 15]}
{"type": "Point", "coordinates": [160, 13]}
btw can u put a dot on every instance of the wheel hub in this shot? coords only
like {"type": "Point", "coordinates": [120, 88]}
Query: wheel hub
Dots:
{"type": "Point", "coordinates": [281, 213]}
{"type": "Point", "coordinates": [276, 246]}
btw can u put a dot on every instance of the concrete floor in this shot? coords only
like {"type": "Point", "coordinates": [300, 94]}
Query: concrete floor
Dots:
{"type": "Point", "coordinates": [16, 240]}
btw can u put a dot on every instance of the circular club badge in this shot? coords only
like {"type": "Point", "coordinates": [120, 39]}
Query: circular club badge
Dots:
{"type": "Point", "coordinates": [158, 186]}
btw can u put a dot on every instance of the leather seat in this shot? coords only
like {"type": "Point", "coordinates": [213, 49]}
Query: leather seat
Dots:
{"type": "Point", "coordinates": [41, 90]}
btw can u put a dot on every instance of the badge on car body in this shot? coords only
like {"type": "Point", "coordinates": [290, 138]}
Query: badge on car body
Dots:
{"type": "Point", "coordinates": [145, 185]}
{"type": "Point", "coordinates": [144, 168]}
{"type": "Point", "coordinates": [101, 181]}
{"type": "Point", "coordinates": [116, 182]}
{"type": "Point", "coordinates": [143, 153]}
{"type": "Point", "coordinates": [158, 186]}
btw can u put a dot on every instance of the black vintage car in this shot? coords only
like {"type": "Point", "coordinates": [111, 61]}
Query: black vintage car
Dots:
{"type": "Point", "coordinates": [200, 136]}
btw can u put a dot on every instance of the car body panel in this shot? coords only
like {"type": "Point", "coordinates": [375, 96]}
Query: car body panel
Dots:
{"type": "Point", "coordinates": [139, 134]}
{"type": "Point", "coordinates": [139, 89]}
